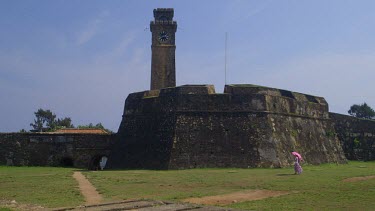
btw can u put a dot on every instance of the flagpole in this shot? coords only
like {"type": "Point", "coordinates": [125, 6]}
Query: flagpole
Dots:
{"type": "Point", "coordinates": [225, 67]}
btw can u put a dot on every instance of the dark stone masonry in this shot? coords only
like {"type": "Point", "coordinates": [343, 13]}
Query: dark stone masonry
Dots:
{"type": "Point", "coordinates": [47, 149]}
{"type": "Point", "coordinates": [246, 126]}
{"type": "Point", "coordinates": [191, 126]}
{"type": "Point", "coordinates": [357, 136]}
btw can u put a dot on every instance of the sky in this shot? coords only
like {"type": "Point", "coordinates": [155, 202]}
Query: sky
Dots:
{"type": "Point", "coordinates": [81, 59]}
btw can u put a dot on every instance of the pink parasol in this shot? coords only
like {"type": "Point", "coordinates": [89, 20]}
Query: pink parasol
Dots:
{"type": "Point", "coordinates": [297, 155]}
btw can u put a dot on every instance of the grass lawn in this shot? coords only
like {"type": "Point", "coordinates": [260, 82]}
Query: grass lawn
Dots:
{"type": "Point", "coordinates": [318, 188]}
{"type": "Point", "coordinates": [45, 186]}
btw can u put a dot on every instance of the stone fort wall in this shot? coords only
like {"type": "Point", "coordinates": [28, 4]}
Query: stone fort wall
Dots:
{"type": "Point", "coordinates": [357, 136]}
{"type": "Point", "coordinates": [246, 126]}
{"type": "Point", "coordinates": [192, 127]}
{"type": "Point", "coordinates": [46, 149]}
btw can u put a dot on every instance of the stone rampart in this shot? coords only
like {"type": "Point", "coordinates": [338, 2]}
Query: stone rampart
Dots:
{"type": "Point", "coordinates": [47, 149]}
{"type": "Point", "coordinates": [357, 136]}
{"type": "Point", "coordinates": [246, 126]}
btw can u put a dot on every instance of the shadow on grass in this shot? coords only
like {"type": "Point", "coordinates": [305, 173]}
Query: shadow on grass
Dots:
{"type": "Point", "coordinates": [282, 175]}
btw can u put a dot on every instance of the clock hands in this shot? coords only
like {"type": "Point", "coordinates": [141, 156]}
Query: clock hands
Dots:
{"type": "Point", "coordinates": [163, 36]}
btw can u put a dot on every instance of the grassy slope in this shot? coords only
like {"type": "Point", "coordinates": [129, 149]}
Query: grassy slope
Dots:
{"type": "Point", "coordinates": [45, 186]}
{"type": "Point", "coordinates": [319, 188]}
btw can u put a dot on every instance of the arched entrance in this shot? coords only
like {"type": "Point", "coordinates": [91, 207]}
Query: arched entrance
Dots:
{"type": "Point", "coordinates": [95, 163]}
{"type": "Point", "coordinates": [66, 162]}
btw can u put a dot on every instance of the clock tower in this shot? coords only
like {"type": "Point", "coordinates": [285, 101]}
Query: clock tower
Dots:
{"type": "Point", "coordinates": [163, 66]}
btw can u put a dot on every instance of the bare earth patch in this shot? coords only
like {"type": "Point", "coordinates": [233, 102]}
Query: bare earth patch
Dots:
{"type": "Point", "coordinates": [87, 189]}
{"type": "Point", "coordinates": [248, 195]}
{"type": "Point", "coordinates": [17, 206]}
{"type": "Point", "coordinates": [355, 179]}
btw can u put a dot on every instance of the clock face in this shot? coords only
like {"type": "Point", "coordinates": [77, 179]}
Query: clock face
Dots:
{"type": "Point", "coordinates": [163, 36]}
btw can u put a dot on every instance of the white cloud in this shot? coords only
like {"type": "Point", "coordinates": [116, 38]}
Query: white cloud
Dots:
{"type": "Point", "coordinates": [118, 52]}
{"type": "Point", "coordinates": [91, 29]}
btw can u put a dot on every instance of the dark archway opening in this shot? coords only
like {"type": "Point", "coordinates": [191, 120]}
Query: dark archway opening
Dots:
{"type": "Point", "coordinates": [95, 162]}
{"type": "Point", "coordinates": [66, 162]}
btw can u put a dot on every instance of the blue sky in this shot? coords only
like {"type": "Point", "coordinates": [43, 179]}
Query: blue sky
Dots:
{"type": "Point", "coordinates": [82, 58]}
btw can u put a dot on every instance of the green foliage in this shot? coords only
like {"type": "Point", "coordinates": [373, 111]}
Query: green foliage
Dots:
{"type": "Point", "coordinates": [356, 142]}
{"type": "Point", "coordinates": [64, 123]}
{"type": "Point", "coordinates": [43, 118]}
{"type": "Point", "coordinates": [23, 131]}
{"type": "Point", "coordinates": [294, 133]}
{"type": "Point", "coordinates": [330, 134]}
{"type": "Point", "coordinates": [362, 111]}
{"type": "Point", "coordinates": [98, 126]}
{"type": "Point", "coordinates": [46, 120]}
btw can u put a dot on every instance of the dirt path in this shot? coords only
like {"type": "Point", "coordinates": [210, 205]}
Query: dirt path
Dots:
{"type": "Point", "coordinates": [87, 189]}
{"type": "Point", "coordinates": [249, 195]}
{"type": "Point", "coordinates": [355, 179]}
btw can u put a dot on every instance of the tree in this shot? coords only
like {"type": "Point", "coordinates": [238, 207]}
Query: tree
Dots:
{"type": "Point", "coordinates": [65, 122]}
{"type": "Point", "coordinates": [98, 126]}
{"type": "Point", "coordinates": [362, 111]}
{"type": "Point", "coordinates": [45, 120]}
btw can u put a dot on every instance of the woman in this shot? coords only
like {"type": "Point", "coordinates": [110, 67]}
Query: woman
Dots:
{"type": "Point", "coordinates": [297, 161]}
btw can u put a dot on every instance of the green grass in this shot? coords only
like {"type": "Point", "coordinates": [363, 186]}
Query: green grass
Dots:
{"type": "Point", "coordinates": [45, 186]}
{"type": "Point", "coordinates": [318, 188]}
{"type": "Point", "coordinates": [5, 209]}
